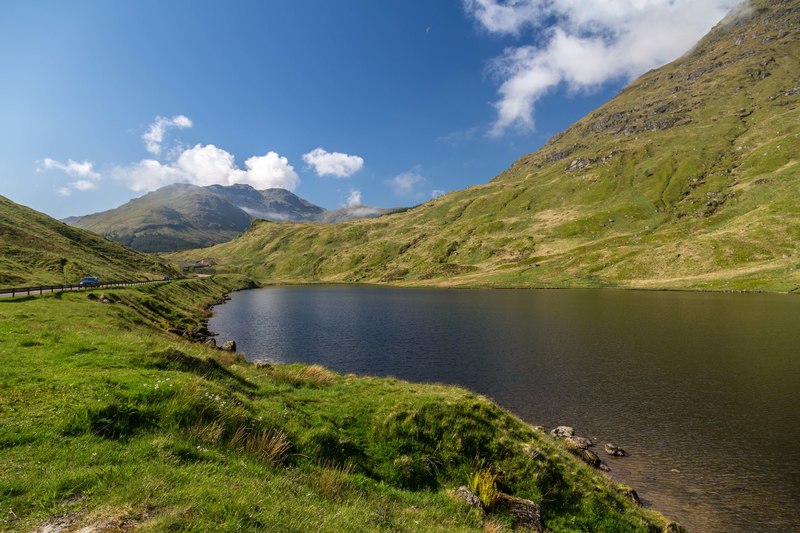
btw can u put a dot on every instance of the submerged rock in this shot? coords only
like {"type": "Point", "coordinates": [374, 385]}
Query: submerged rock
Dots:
{"type": "Point", "coordinates": [616, 451]}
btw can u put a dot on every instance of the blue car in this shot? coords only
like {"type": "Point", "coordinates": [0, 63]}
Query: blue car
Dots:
{"type": "Point", "coordinates": [89, 281]}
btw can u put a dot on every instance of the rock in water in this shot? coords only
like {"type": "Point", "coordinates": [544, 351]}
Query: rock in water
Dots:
{"type": "Point", "coordinates": [562, 431]}
{"type": "Point", "coordinates": [616, 451]}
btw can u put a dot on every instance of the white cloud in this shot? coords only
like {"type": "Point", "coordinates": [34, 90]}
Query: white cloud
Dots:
{"type": "Point", "coordinates": [154, 135]}
{"type": "Point", "coordinates": [270, 170]}
{"type": "Point", "coordinates": [354, 198]}
{"type": "Point", "coordinates": [84, 169]}
{"type": "Point", "coordinates": [146, 175]}
{"type": "Point", "coordinates": [83, 185]}
{"type": "Point", "coordinates": [436, 193]}
{"type": "Point", "coordinates": [508, 17]}
{"type": "Point", "coordinates": [209, 165]}
{"type": "Point", "coordinates": [406, 184]}
{"type": "Point", "coordinates": [334, 164]}
{"type": "Point", "coordinates": [585, 44]}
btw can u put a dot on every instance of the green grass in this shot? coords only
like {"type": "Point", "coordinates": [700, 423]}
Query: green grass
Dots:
{"type": "Point", "coordinates": [686, 180]}
{"type": "Point", "coordinates": [105, 418]}
{"type": "Point", "coordinates": [36, 249]}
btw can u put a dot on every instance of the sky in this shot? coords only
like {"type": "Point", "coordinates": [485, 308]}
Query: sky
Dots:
{"type": "Point", "coordinates": [344, 102]}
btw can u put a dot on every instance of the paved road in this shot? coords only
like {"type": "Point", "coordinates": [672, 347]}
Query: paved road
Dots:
{"type": "Point", "coordinates": [47, 289]}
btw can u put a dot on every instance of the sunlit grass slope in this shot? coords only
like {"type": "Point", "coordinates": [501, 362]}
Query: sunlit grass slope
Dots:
{"type": "Point", "coordinates": [36, 249]}
{"type": "Point", "coordinates": [689, 178]}
{"type": "Point", "coordinates": [108, 421]}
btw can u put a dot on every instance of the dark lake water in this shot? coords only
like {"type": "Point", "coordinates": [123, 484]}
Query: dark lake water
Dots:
{"type": "Point", "coordinates": [702, 389]}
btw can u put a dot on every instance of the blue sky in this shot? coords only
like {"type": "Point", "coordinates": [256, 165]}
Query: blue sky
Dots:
{"type": "Point", "coordinates": [372, 101]}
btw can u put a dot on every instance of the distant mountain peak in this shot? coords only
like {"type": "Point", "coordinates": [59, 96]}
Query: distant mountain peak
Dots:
{"type": "Point", "coordinates": [182, 215]}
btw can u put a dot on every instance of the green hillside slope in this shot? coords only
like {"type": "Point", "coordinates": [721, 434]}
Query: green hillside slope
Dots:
{"type": "Point", "coordinates": [689, 178]}
{"type": "Point", "coordinates": [36, 249]}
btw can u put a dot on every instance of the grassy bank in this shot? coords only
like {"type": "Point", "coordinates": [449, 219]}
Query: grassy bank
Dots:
{"type": "Point", "coordinates": [109, 420]}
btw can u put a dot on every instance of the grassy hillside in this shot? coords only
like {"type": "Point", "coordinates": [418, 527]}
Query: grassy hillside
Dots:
{"type": "Point", "coordinates": [689, 178]}
{"type": "Point", "coordinates": [36, 249]}
{"type": "Point", "coordinates": [109, 422]}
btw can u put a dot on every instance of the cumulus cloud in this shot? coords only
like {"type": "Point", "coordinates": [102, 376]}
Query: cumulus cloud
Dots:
{"type": "Point", "coordinates": [270, 170]}
{"type": "Point", "coordinates": [83, 169]}
{"type": "Point", "coordinates": [354, 198]}
{"type": "Point", "coordinates": [407, 184]}
{"type": "Point", "coordinates": [584, 44]}
{"type": "Point", "coordinates": [154, 135]}
{"type": "Point", "coordinates": [334, 164]}
{"type": "Point", "coordinates": [209, 165]}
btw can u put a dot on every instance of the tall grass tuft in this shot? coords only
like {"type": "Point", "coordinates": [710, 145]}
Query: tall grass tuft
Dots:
{"type": "Point", "coordinates": [307, 376]}
{"type": "Point", "coordinates": [269, 445]}
{"type": "Point", "coordinates": [331, 478]}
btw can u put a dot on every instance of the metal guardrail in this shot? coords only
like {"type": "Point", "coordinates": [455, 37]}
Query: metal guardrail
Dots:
{"type": "Point", "coordinates": [41, 289]}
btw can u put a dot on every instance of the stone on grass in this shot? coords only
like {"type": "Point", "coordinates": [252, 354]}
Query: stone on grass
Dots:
{"type": "Point", "coordinates": [470, 497]}
{"type": "Point", "coordinates": [525, 512]}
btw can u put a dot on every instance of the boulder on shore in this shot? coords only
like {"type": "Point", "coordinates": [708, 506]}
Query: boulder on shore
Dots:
{"type": "Point", "coordinates": [578, 442]}
{"type": "Point", "coordinates": [229, 346]}
{"type": "Point", "coordinates": [562, 431]}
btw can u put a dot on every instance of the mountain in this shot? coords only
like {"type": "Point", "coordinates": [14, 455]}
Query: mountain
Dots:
{"type": "Point", "coordinates": [688, 178]}
{"type": "Point", "coordinates": [269, 204]}
{"type": "Point", "coordinates": [36, 249]}
{"type": "Point", "coordinates": [182, 216]}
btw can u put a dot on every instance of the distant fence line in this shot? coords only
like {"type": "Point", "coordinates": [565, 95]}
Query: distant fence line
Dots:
{"type": "Point", "coordinates": [27, 291]}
